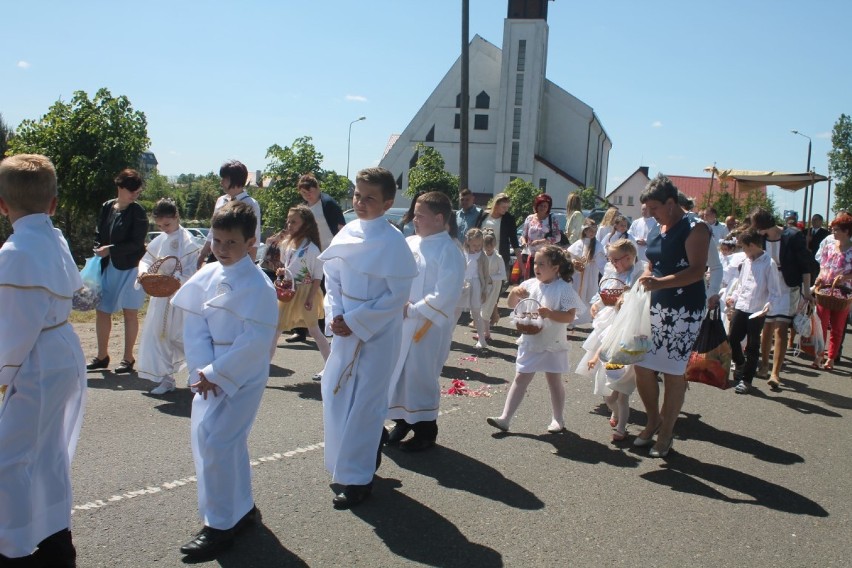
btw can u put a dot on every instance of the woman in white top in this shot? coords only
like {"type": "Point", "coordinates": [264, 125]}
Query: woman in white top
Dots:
{"type": "Point", "coordinates": [589, 259]}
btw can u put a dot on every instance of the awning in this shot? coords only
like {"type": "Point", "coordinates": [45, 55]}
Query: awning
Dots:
{"type": "Point", "coordinates": [748, 179]}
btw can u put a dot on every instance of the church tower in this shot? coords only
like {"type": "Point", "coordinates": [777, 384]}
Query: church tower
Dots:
{"type": "Point", "coordinates": [522, 83]}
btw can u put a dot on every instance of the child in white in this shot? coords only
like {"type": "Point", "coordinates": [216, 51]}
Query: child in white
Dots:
{"type": "Point", "coordinates": [161, 348]}
{"type": "Point", "coordinates": [589, 259]}
{"type": "Point", "coordinates": [300, 257]}
{"type": "Point", "coordinates": [546, 351]}
{"type": "Point", "coordinates": [615, 384]}
{"type": "Point", "coordinates": [497, 274]}
{"type": "Point", "coordinates": [476, 280]}
{"type": "Point", "coordinates": [41, 363]}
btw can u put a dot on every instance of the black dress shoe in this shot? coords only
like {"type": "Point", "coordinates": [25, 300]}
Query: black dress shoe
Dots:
{"type": "Point", "coordinates": [382, 441]}
{"type": "Point", "coordinates": [98, 363]}
{"type": "Point", "coordinates": [124, 367]}
{"type": "Point", "coordinates": [351, 496]}
{"type": "Point", "coordinates": [398, 432]}
{"type": "Point", "coordinates": [297, 337]}
{"type": "Point", "coordinates": [251, 518]}
{"type": "Point", "coordinates": [56, 551]}
{"type": "Point", "coordinates": [417, 444]}
{"type": "Point", "coordinates": [208, 542]}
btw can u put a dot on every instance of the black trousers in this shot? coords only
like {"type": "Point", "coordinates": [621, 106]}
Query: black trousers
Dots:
{"type": "Point", "coordinates": [744, 328]}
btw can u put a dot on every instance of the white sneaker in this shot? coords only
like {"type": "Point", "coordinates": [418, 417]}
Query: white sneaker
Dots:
{"type": "Point", "coordinates": [164, 387]}
{"type": "Point", "coordinates": [481, 344]}
{"type": "Point", "coordinates": [498, 423]}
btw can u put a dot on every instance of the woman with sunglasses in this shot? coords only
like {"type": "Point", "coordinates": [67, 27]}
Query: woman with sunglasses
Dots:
{"type": "Point", "coordinates": [122, 226]}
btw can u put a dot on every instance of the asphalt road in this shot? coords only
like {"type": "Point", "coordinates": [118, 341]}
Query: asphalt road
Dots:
{"type": "Point", "coordinates": [753, 480]}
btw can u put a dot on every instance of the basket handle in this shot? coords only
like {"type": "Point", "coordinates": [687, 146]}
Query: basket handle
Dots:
{"type": "Point", "coordinates": [600, 284]}
{"type": "Point", "coordinates": [154, 268]}
{"type": "Point", "coordinates": [283, 277]}
{"type": "Point", "coordinates": [538, 304]}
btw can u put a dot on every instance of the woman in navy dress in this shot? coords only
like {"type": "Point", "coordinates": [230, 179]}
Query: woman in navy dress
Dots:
{"type": "Point", "coordinates": [677, 261]}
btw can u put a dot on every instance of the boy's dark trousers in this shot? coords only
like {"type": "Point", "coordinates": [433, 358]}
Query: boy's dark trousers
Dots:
{"type": "Point", "coordinates": [744, 328]}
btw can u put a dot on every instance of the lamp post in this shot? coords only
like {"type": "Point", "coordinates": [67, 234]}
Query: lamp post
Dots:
{"type": "Point", "coordinates": [805, 203]}
{"type": "Point", "coordinates": [349, 143]}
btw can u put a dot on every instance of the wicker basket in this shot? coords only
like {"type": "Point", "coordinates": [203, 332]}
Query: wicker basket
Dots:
{"type": "Point", "coordinates": [610, 296]}
{"type": "Point", "coordinates": [161, 285]}
{"type": "Point", "coordinates": [825, 296]}
{"type": "Point", "coordinates": [284, 286]}
{"type": "Point", "coordinates": [526, 321]}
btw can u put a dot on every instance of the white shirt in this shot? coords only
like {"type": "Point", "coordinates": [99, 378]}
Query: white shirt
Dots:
{"type": "Point", "coordinates": [471, 270]}
{"type": "Point", "coordinates": [494, 225]}
{"type": "Point", "coordinates": [759, 284]}
{"type": "Point", "coordinates": [322, 224]}
{"type": "Point", "coordinates": [244, 197]}
{"type": "Point", "coordinates": [719, 230]}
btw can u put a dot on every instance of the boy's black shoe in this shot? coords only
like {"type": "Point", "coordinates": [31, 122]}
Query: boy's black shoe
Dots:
{"type": "Point", "coordinates": [351, 496]}
{"type": "Point", "coordinates": [298, 335]}
{"type": "Point", "coordinates": [251, 518]}
{"type": "Point", "coordinates": [209, 542]}
{"type": "Point", "coordinates": [417, 444]}
{"type": "Point", "coordinates": [56, 551]}
{"type": "Point", "coordinates": [398, 432]}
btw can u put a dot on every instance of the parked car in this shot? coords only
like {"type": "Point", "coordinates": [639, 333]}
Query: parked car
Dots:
{"type": "Point", "coordinates": [198, 231]}
{"type": "Point", "coordinates": [393, 215]}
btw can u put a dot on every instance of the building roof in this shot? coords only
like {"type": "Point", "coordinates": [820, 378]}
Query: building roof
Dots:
{"type": "Point", "coordinates": [698, 187]}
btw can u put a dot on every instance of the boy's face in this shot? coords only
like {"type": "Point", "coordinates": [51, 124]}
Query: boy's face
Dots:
{"type": "Point", "coordinates": [368, 201]}
{"type": "Point", "coordinates": [427, 223]}
{"type": "Point", "coordinates": [230, 246]}
{"type": "Point", "coordinates": [751, 250]}
{"type": "Point", "coordinates": [168, 225]}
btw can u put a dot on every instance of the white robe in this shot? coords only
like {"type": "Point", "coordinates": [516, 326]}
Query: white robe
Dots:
{"type": "Point", "coordinates": [497, 272]}
{"type": "Point", "coordinates": [586, 282]}
{"type": "Point", "coordinates": [368, 273]}
{"type": "Point", "coordinates": [415, 392]}
{"type": "Point", "coordinates": [161, 345]}
{"type": "Point", "coordinates": [230, 314]}
{"type": "Point", "coordinates": [639, 230]}
{"type": "Point", "coordinates": [42, 363]}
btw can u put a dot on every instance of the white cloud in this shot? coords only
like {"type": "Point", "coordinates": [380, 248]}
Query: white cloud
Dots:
{"type": "Point", "coordinates": [656, 124]}
{"type": "Point", "coordinates": [824, 135]}
{"type": "Point", "coordinates": [23, 64]}
{"type": "Point", "coordinates": [356, 98]}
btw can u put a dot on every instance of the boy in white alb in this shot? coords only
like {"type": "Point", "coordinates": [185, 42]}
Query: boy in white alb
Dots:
{"type": "Point", "coordinates": [230, 313]}
{"type": "Point", "coordinates": [428, 326]}
{"type": "Point", "coordinates": [368, 273]}
{"type": "Point", "coordinates": [42, 368]}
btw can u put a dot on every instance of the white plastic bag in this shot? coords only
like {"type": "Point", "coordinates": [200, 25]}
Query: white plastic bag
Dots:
{"type": "Point", "coordinates": [802, 319]}
{"type": "Point", "coordinates": [629, 337]}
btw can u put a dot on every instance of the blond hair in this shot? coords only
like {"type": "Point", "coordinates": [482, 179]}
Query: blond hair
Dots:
{"type": "Point", "coordinates": [27, 183]}
{"type": "Point", "coordinates": [625, 246]}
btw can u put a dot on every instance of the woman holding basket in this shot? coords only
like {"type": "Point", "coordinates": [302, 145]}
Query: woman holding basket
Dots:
{"type": "Point", "coordinates": [835, 273]}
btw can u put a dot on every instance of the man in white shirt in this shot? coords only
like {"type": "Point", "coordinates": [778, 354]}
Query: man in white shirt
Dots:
{"type": "Point", "coordinates": [639, 230]}
{"type": "Point", "coordinates": [710, 217]}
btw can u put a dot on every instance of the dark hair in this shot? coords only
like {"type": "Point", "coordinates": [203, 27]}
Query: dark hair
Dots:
{"type": "Point", "coordinates": [129, 179]}
{"type": "Point", "coordinates": [165, 207]}
{"type": "Point", "coordinates": [685, 201]}
{"type": "Point", "coordinates": [843, 221]}
{"type": "Point", "coordinates": [409, 215]}
{"type": "Point", "coordinates": [438, 203]}
{"type": "Point", "coordinates": [711, 210]}
{"type": "Point", "coordinates": [557, 257]}
{"type": "Point", "coordinates": [235, 215]}
{"type": "Point", "coordinates": [380, 177]}
{"type": "Point", "coordinates": [453, 227]}
{"type": "Point", "coordinates": [659, 189]}
{"type": "Point", "coordinates": [762, 218]}
{"type": "Point", "coordinates": [750, 237]}
{"type": "Point", "coordinates": [465, 192]}
{"type": "Point", "coordinates": [236, 172]}
{"type": "Point", "coordinates": [589, 223]}
{"type": "Point", "coordinates": [307, 181]}
{"type": "Point", "coordinates": [817, 215]}
{"type": "Point", "coordinates": [309, 226]}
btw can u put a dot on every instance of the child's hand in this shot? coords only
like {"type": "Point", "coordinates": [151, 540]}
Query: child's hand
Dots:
{"type": "Point", "coordinates": [203, 386]}
{"type": "Point", "coordinates": [594, 310]}
{"type": "Point", "coordinates": [309, 304]}
{"type": "Point", "coordinates": [729, 302]}
{"type": "Point", "coordinates": [593, 362]}
{"type": "Point", "coordinates": [520, 292]}
{"type": "Point", "coordinates": [339, 327]}
{"type": "Point", "coordinates": [545, 312]}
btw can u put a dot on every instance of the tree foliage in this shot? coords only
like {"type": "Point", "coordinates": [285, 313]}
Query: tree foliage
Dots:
{"type": "Point", "coordinates": [840, 162]}
{"type": "Point", "coordinates": [6, 135]}
{"type": "Point", "coordinates": [89, 141]}
{"type": "Point", "coordinates": [284, 167]}
{"type": "Point", "coordinates": [429, 174]}
{"type": "Point", "coordinates": [723, 202]}
{"type": "Point", "coordinates": [521, 195]}
{"type": "Point", "coordinates": [588, 196]}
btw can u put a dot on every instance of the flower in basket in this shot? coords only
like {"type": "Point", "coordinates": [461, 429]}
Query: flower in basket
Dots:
{"type": "Point", "coordinates": [613, 366]}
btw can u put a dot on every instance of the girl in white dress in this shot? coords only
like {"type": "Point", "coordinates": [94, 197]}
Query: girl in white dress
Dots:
{"type": "Point", "coordinates": [589, 258]}
{"type": "Point", "coordinates": [299, 257]}
{"type": "Point", "coordinates": [546, 351]}
{"type": "Point", "coordinates": [476, 281]}
{"type": "Point", "coordinates": [161, 354]}
{"type": "Point", "coordinates": [497, 273]}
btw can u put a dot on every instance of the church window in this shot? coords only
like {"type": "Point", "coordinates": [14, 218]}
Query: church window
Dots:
{"type": "Point", "coordinates": [457, 122]}
{"type": "Point", "coordinates": [519, 89]}
{"type": "Point", "coordinates": [480, 122]}
{"type": "Point", "coordinates": [413, 161]}
{"type": "Point", "coordinates": [522, 54]}
{"type": "Point", "coordinates": [629, 200]}
{"type": "Point", "coordinates": [483, 100]}
{"type": "Point", "coordinates": [399, 182]}
{"type": "Point", "coordinates": [542, 184]}
{"type": "Point", "coordinates": [458, 100]}
{"type": "Point", "coordinates": [430, 136]}
{"type": "Point", "coordinates": [516, 152]}
{"type": "Point", "coordinates": [516, 124]}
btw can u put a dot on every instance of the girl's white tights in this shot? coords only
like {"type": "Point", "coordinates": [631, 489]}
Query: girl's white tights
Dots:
{"type": "Point", "coordinates": [619, 404]}
{"type": "Point", "coordinates": [519, 389]}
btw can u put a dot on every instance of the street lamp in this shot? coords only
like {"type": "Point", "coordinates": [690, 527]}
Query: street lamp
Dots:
{"type": "Point", "coordinates": [349, 143]}
{"type": "Point", "coordinates": [805, 204]}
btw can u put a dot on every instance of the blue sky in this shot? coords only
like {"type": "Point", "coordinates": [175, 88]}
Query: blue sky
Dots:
{"type": "Point", "coordinates": [678, 85]}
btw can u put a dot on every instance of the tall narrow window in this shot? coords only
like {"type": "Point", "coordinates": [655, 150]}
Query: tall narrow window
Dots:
{"type": "Point", "coordinates": [399, 182]}
{"type": "Point", "coordinates": [480, 122]}
{"type": "Point", "coordinates": [413, 161]}
{"type": "Point", "coordinates": [430, 136]}
{"type": "Point", "coordinates": [542, 184]}
{"type": "Point", "coordinates": [519, 89]}
{"type": "Point", "coordinates": [483, 100]}
{"type": "Point", "coordinates": [516, 152]}
{"type": "Point", "coordinates": [457, 122]}
{"type": "Point", "coordinates": [629, 200]}
{"type": "Point", "coordinates": [522, 54]}
{"type": "Point", "coordinates": [458, 100]}
{"type": "Point", "coordinates": [516, 124]}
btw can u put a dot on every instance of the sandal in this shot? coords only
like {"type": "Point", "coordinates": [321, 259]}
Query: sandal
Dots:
{"type": "Point", "coordinates": [125, 367]}
{"type": "Point", "coordinates": [774, 383]}
{"type": "Point", "coordinates": [828, 365]}
{"type": "Point", "coordinates": [98, 363]}
{"type": "Point", "coordinates": [619, 436]}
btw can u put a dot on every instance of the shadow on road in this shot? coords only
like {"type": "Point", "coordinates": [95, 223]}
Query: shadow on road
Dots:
{"type": "Point", "coordinates": [175, 403]}
{"type": "Point", "coordinates": [279, 372]}
{"type": "Point", "coordinates": [800, 406]}
{"type": "Point", "coordinates": [467, 374]}
{"type": "Point", "coordinates": [570, 446]}
{"type": "Point", "coordinates": [309, 390]}
{"type": "Point", "coordinates": [688, 475]}
{"type": "Point", "coordinates": [413, 531]}
{"type": "Point", "coordinates": [110, 381]}
{"type": "Point", "coordinates": [830, 398]}
{"type": "Point", "coordinates": [458, 471]}
{"type": "Point", "coordinates": [255, 547]}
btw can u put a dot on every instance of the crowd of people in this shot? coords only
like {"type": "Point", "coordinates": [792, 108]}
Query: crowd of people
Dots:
{"type": "Point", "coordinates": [390, 304]}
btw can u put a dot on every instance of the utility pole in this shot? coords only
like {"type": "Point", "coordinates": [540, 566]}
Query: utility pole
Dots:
{"type": "Point", "coordinates": [464, 134]}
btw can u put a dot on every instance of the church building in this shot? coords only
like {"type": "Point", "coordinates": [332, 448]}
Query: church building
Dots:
{"type": "Point", "coordinates": [522, 125]}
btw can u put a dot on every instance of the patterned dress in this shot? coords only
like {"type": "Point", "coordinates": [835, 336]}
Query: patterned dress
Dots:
{"type": "Point", "coordinates": [676, 313]}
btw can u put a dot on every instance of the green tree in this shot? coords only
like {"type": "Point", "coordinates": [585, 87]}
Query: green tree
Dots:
{"type": "Point", "coordinates": [725, 205]}
{"type": "Point", "coordinates": [521, 194]}
{"type": "Point", "coordinates": [840, 162]}
{"type": "Point", "coordinates": [429, 174]}
{"type": "Point", "coordinates": [284, 167]}
{"type": "Point", "coordinates": [588, 196]}
{"type": "Point", "coordinates": [157, 187]}
{"type": "Point", "coordinates": [89, 141]}
{"type": "Point", "coordinates": [6, 134]}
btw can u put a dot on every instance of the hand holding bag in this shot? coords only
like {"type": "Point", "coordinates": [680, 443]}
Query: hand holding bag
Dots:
{"type": "Point", "coordinates": [629, 336]}
{"type": "Point", "coordinates": [89, 296]}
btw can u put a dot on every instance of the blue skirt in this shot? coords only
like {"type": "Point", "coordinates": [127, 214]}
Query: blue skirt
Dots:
{"type": "Point", "coordinates": [118, 291]}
